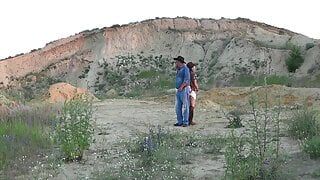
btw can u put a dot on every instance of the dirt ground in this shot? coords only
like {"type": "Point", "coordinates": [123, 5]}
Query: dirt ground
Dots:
{"type": "Point", "coordinates": [120, 119]}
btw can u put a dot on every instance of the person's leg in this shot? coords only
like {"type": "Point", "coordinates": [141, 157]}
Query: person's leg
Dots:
{"type": "Point", "coordinates": [179, 108]}
{"type": "Point", "coordinates": [185, 106]}
{"type": "Point", "coordinates": [191, 110]}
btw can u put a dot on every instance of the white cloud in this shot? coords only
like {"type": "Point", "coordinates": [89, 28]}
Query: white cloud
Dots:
{"type": "Point", "coordinates": [26, 25]}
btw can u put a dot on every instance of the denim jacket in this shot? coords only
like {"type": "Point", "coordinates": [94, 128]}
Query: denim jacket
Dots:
{"type": "Point", "coordinates": [183, 76]}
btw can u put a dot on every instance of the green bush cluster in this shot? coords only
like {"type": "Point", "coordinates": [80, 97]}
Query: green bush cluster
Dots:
{"type": "Point", "coordinates": [128, 79]}
{"type": "Point", "coordinates": [304, 126]}
{"type": "Point", "coordinates": [74, 130]}
{"type": "Point", "coordinates": [295, 59]}
{"type": "Point", "coordinates": [27, 131]}
{"type": "Point", "coordinates": [309, 46]}
{"type": "Point", "coordinates": [312, 147]}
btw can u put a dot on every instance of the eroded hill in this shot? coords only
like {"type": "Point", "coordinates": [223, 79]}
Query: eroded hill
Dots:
{"type": "Point", "coordinates": [128, 57]}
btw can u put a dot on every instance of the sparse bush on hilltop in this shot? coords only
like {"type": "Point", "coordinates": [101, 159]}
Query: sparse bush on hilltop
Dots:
{"type": "Point", "coordinates": [115, 26]}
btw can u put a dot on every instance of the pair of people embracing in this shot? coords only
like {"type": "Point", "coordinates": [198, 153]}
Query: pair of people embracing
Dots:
{"type": "Point", "coordinates": [187, 88]}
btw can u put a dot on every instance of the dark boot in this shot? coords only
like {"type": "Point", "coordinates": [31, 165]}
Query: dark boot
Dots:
{"type": "Point", "coordinates": [191, 110]}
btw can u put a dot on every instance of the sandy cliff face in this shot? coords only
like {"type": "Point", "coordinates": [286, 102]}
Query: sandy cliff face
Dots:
{"type": "Point", "coordinates": [223, 48]}
{"type": "Point", "coordinates": [36, 61]}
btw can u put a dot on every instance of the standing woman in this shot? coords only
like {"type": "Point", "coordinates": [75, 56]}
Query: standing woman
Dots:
{"type": "Point", "coordinates": [194, 89]}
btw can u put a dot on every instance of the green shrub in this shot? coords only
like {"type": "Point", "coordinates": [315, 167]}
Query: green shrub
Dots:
{"type": "Point", "coordinates": [312, 147]}
{"type": "Point", "coordinates": [237, 165]}
{"type": "Point", "coordinates": [316, 173]}
{"type": "Point", "coordinates": [295, 59]}
{"type": "Point", "coordinates": [303, 124]}
{"type": "Point", "coordinates": [235, 120]}
{"type": "Point", "coordinates": [254, 153]}
{"type": "Point", "coordinates": [74, 131]}
{"type": "Point", "coordinates": [309, 46]}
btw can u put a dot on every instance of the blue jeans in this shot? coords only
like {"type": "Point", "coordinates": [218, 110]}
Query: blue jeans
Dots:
{"type": "Point", "coordinates": [182, 106]}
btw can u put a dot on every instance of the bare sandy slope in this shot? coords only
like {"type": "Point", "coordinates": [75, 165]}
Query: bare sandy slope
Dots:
{"type": "Point", "coordinates": [119, 120]}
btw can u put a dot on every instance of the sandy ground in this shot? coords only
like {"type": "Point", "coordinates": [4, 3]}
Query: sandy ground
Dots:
{"type": "Point", "coordinates": [119, 120]}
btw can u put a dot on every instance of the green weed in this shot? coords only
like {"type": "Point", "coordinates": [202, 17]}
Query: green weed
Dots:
{"type": "Point", "coordinates": [74, 130]}
{"type": "Point", "coordinates": [303, 124]}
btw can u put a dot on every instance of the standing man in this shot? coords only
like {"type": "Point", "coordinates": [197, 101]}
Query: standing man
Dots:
{"type": "Point", "coordinates": [183, 91]}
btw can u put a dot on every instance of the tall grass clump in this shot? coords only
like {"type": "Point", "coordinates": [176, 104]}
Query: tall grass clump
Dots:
{"type": "Point", "coordinates": [295, 59]}
{"type": "Point", "coordinates": [303, 125]}
{"type": "Point", "coordinates": [312, 147]}
{"type": "Point", "coordinates": [74, 130]}
{"type": "Point", "coordinates": [254, 152]}
{"type": "Point", "coordinates": [24, 134]}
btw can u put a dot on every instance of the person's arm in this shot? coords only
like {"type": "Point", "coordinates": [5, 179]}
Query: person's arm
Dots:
{"type": "Point", "coordinates": [186, 79]}
{"type": "Point", "coordinates": [196, 84]}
